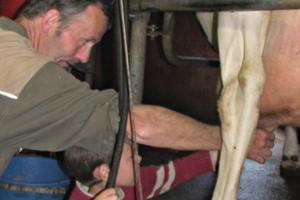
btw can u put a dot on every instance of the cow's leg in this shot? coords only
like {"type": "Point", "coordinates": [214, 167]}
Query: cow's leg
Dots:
{"type": "Point", "coordinates": [290, 149]}
{"type": "Point", "coordinates": [241, 39]}
{"type": "Point", "coordinates": [208, 22]}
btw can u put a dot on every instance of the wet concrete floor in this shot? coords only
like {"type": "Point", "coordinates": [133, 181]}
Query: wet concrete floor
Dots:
{"type": "Point", "coordinates": [258, 182]}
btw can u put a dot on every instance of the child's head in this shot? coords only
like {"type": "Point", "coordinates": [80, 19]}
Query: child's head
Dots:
{"type": "Point", "coordinates": [88, 167]}
{"type": "Point", "coordinates": [81, 162]}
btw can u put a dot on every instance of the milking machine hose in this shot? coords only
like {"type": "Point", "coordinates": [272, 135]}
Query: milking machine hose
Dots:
{"type": "Point", "coordinates": [123, 103]}
{"type": "Point", "coordinates": [123, 89]}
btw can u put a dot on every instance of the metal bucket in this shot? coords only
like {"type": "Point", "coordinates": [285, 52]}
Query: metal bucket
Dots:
{"type": "Point", "coordinates": [33, 178]}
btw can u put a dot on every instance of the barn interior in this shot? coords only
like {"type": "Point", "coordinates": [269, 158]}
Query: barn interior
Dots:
{"type": "Point", "coordinates": [182, 74]}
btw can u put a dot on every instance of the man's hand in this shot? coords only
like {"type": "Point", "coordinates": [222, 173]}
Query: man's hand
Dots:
{"type": "Point", "coordinates": [261, 146]}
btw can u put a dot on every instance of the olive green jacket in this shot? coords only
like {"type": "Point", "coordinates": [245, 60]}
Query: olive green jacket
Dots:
{"type": "Point", "coordinates": [52, 110]}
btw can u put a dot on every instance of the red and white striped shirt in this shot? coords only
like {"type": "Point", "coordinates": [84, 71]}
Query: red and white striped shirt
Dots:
{"type": "Point", "coordinates": [157, 180]}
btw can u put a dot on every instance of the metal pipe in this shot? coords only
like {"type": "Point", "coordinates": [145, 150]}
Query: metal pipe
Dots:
{"type": "Point", "coordinates": [169, 49]}
{"type": "Point", "coordinates": [212, 5]}
{"type": "Point", "coordinates": [137, 54]}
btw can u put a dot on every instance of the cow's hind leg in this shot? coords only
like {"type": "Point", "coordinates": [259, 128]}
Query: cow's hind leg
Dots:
{"type": "Point", "coordinates": [241, 39]}
{"type": "Point", "coordinates": [290, 164]}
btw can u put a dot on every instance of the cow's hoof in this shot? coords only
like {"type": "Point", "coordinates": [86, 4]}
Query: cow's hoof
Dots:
{"type": "Point", "coordinates": [290, 166]}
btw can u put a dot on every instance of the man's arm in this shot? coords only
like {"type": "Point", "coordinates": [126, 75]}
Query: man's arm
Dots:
{"type": "Point", "coordinates": [86, 118]}
{"type": "Point", "coordinates": [162, 127]}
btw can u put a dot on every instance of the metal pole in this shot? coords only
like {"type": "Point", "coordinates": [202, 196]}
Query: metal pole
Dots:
{"type": "Point", "coordinates": [212, 5]}
{"type": "Point", "coordinates": [137, 54]}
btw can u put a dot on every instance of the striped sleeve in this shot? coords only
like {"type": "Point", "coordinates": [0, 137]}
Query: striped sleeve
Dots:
{"type": "Point", "coordinates": [157, 180]}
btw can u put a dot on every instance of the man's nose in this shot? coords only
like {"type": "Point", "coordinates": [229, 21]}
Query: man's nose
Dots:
{"type": "Point", "coordinates": [83, 54]}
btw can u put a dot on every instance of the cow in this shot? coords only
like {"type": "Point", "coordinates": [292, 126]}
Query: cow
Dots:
{"type": "Point", "coordinates": [260, 67]}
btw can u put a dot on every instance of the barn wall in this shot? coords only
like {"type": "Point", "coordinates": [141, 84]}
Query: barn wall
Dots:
{"type": "Point", "coordinates": [189, 89]}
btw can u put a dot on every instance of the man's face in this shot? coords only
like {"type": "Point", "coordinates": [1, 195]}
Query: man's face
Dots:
{"type": "Point", "coordinates": [126, 174]}
{"type": "Point", "coordinates": [73, 43]}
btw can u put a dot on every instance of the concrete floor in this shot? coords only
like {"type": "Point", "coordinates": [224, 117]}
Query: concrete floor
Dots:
{"type": "Point", "coordinates": [258, 182]}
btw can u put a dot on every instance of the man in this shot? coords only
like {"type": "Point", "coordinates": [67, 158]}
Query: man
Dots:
{"type": "Point", "coordinates": [45, 108]}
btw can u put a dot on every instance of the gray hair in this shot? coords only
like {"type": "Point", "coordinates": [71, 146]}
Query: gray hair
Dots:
{"type": "Point", "coordinates": [67, 8]}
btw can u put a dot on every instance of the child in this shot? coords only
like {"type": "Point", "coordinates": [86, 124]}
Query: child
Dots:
{"type": "Point", "coordinates": [89, 168]}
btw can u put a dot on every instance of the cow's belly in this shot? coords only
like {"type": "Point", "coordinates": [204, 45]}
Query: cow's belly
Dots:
{"type": "Point", "coordinates": [280, 102]}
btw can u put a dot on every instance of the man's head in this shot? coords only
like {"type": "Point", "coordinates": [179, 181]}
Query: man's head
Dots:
{"type": "Point", "coordinates": [87, 167]}
{"type": "Point", "coordinates": [65, 30]}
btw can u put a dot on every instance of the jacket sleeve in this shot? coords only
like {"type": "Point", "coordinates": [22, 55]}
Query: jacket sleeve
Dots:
{"type": "Point", "coordinates": [55, 111]}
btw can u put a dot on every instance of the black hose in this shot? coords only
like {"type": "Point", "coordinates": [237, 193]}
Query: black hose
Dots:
{"type": "Point", "coordinates": [123, 99]}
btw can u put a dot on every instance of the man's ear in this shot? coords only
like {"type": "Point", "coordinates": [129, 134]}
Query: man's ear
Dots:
{"type": "Point", "coordinates": [51, 20]}
{"type": "Point", "coordinates": [101, 172]}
